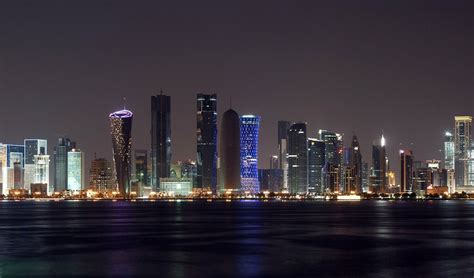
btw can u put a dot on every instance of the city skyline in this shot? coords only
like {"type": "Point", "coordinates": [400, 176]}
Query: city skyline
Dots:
{"type": "Point", "coordinates": [309, 65]}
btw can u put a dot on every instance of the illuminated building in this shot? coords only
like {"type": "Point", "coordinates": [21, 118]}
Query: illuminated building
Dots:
{"type": "Point", "coordinates": [141, 166]}
{"type": "Point", "coordinates": [75, 170]}
{"type": "Point", "coordinates": [32, 147]}
{"type": "Point", "coordinates": [333, 151]}
{"type": "Point", "coordinates": [379, 168]}
{"type": "Point", "coordinates": [406, 171]}
{"type": "Point", "coordinates": [101, 176]}
{"type": "Point", "coordinates": [189, 170]}
{"type": "Point", "coordinates": [270, 179]}
{"type": "Point", "coordinates": [462, 143]}
{"type": "Point", "coordinates": [179, 187]}
{"type": "Point", "coordinates": [121, 131]}
{"type": "Point", "coordinates": [11, 166]}
{"type": "Point", "coordinates": [160, 138]}
{"type": "Point", "coordinates": [283, 127]}
{"type": "Point", "coordinates": [448, 151]}
{"type": "Point", "coordinates": [249, 131]}
{"type": "Point", "coordinates": [297, 159]}
{"type": "Point", "coordinates": [41, 162]}
{"type": "Point", "coordinates": [64, 146]}
{"type": "Point", "coordinates": [316, 161]}
{"type": "Point", "coordinates": [206, 139]}
{"type": "Point", "coordinates": [350, 177]}
{"type": "Point", "coordinates": [355, 160]}
{"type": "Point", "coordinates": [365, 176]}
{"type": "Point", "coordinates": [332, 178]}
{"type": "Point", "coordinates": [274, 162]}
{"type": "Point", "coordinates": [230, 151]}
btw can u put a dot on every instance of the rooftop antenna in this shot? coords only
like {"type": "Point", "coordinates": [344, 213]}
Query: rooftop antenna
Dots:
{"type": "Point", "coordinates": [124, 101]}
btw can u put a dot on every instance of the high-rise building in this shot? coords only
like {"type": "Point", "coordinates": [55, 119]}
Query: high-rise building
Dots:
{"type": "Point", "coordinates": [270, 179]}
{"type": "Point", "coordinates": [356, 161]}
{"type": "Point", "coordinates": [41, 169]}
{"type": "Point", "coordinates": [32, 147]}
{"type": "Point", "coordinates": [64, 146]}
{"type": "Point", "coordinates": [207, 142]}
{"type": "Point", "coordinates": [448, 151]}
{"type": "Point", "coordinates": [462, 143]}
{"type": "Point", "coordinates": [297, 159]}
{"type": "Point", "coordinates": [101, 176]}
{"type": "Point", "coordinates": [316, 161]}
{"type": "Point", "coordinates": [230, 151]}
{"type": "Point", "coordinates": [11, 167]}
{"type": "Point", "coordinates": [406, 171]}
{"type": "Point", "coordinates": [365, 176]}
{"type": "Point", "coordinates": [189, 170]}
{"type": "Point", "coordinates": [121, 131]}
{"type": "Point", "coordinates": [379, 169]}
{"type": "Point", "coordinates": [333, 155]}
{"type": "Point", "coordinates": [160, 138]}
{"type": "Point", "coordinates": [283, 127]}
{"type": "Point", "coordinates": [249, 131]}
{"type": "Point", "coordinates": [140, 166]}
{"type": "Point", "coordinates": [75, 170]}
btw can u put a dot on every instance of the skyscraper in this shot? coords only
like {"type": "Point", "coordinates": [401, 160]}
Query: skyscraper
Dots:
{"type": "Point", "coordinates": [230, 151]}
{"type": "Point", "coordinates": [283, 127]}
{"type": "Point", "coordinates": [160, 138]}
{"type": "Point", "coordinates": [11, 167]}
{"type": "Point", "coordinates": [121, 131]}
{"type": "Point", "coordinates": [462, 143]}
{"type": "Point", "coordinates": [448, 151]}
{"type": "Point", "coordinates": [333, 159]}
{"type": "Point", "coordinates": [274, 162]}
{"type": "Point", "coordinates": [379, 175]}
{"type": "Point", "coordinates": [75, 170]}
{"type": "Point", "coordinates": [41, 168]}
{"type": "Point", "coordinates": [64, 146]}
{"type": "Point", "coordinates": [207, 142]}
{"type": "Point", "coordinates": [33, 147]}
{"type": "Point", "coordinates": [249, 130]}
{"type": "Point", "coordinates": [356, 161]}
{"type": "Point", "coordinates": [297, 159]}
{"type": "Point", "coordinates": [406, 170]}
{"type": "Point", "coordinates": [316, 161]}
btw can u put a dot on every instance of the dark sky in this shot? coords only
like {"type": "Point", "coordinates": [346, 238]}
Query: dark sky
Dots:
{"type": "Point", "coordinates": [404, 67]}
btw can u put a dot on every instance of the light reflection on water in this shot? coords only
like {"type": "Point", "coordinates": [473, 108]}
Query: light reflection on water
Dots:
{"type": "Point", "coordinates": [247, 239]}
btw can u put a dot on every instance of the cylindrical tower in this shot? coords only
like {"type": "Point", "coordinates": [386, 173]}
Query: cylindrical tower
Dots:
{"type": "Point", "coordinates": [121, 131]}
{"type": "Point", "coordinates": [230, 151]}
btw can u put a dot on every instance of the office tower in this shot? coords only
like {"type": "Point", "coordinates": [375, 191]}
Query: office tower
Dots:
{"type": "Point", "coordinates": [462, 142]}
{"type": "Point", "coordinates": [365, 176]}
{"type": "Point", "coordinates": [101, 176]}
{"type": "Point", "coordinates": [423, 179]}
{"type": "Point", "coordinates": [41, 162]}
{"type": "Point", "coordinates": [297, 159]}
{"type": "Point", "coordinates": [270, 179]}
{"type": "Point", "coordinates": [333, 155]}
{"type": "Point", "coordinates": [121, 131]}
{"type": "Point", "coordinates": [64, 146]}
{"type": "Point", "coordinates": [469, 182]}
{"type": "Point", "coordinates": [332, 178]}
{"type": "Point", "coordinates": [141, 166]}
{"type": "Point", "coordinates": [249, 131]}
{"type": "Point", "coordinates": [379, 161]}
{"type": "Point", "coordinates": [316, 161]}
{"type": "Point", "coordinates": [189, 170]}
{"type": "Point", "coordinates": [356, 161]}
{"type": "Point", "coordinates": [32, 147]}
{"type": "Point", "coordinates": [406, 171]}
{"type": "Point", "coordinates": [274, 162]}
{"type": "Point", "coordinates": [283, 127]}
{"type": "Point", "coordinates": [207, 142]}
{"type": "Point", "coordinates": [230, 151]}
{"type": "Point", "coordinates": [160, 138]}
{"type": "Point", "coordinates": [75, 170]}
{"type": "Point", "coordinates": [448, 151]}
{"type": "Point", "coordinates": [11, 167]}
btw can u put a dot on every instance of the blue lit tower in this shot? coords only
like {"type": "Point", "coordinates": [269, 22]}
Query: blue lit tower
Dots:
{"type": "Point", "coordinates": [249, 128]}
{"type": "Point", "coordinates": [121, 131]}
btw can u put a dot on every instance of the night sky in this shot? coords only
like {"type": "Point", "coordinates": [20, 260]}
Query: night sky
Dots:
{"type": "Point", "coordinates": [404, 67]}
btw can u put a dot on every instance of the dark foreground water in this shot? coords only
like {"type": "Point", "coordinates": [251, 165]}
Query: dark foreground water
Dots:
{"type": "Point", "coordinates": [219, 239]}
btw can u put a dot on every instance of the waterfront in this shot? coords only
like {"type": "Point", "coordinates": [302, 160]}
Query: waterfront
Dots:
{"type": "Point", "coordinates": [239, 238]}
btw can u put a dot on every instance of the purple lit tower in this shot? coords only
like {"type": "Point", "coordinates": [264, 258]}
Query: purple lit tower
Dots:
{"type": "Point", "coordinates": [121, 131]}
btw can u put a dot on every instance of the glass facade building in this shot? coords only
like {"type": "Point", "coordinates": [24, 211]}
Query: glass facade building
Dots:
{"type": "Point", "coordinates": [64, 146]}
{"type": "Point", "coordinates": [75, 170]}
{"type": "Point", "coordinates": [121, 131]}
{"type": "Point", "coordinates": [160, 138]}
{"type": "Point", "coordinates": [206, 140]}
{"type": "Point", "coordinates": [297, 159]}
{"type": "Point", "coordinates": [462, 143]}
{"type": "Point", "coordinates": [249, 131]}
{"type": "Point", "coordinates": [316, 161]}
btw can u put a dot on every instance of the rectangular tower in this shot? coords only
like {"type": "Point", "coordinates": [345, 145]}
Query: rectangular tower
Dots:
{"type": "Point", "coordinates": [160, 138]}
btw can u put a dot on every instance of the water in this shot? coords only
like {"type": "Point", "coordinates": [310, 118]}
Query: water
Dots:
{"type": "Point", "coordinates": [237, 239]}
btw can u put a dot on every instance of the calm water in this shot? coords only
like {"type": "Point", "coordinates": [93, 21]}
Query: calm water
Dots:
{"type": "Point", "coordinates": [247, 239]}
